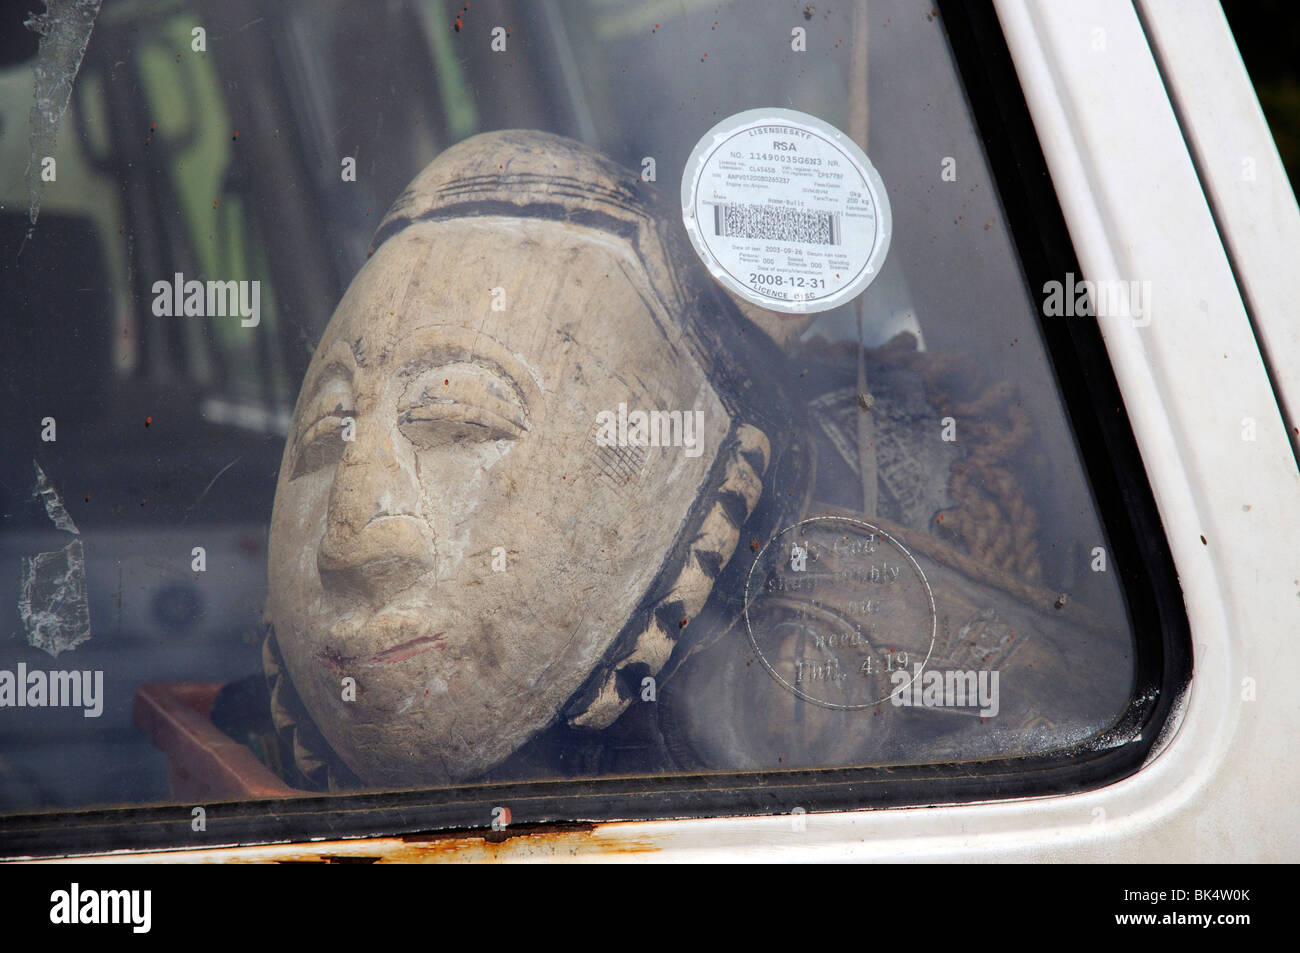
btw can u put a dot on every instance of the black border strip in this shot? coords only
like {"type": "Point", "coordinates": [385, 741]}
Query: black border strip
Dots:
{"type": "Point", "coordinates": [1138, 549]}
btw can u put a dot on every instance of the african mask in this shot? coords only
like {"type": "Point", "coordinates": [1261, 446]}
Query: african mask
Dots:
{"type": "Point", "coordinates": [517, 464]}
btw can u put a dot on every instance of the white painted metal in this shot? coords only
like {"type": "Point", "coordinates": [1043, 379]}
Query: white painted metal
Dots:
{"type": "Point", "coordinates": [1241, 173]}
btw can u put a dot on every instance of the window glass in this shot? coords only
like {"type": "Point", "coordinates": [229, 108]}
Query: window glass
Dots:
{"type": "Point", "coordinates": [370, 407]}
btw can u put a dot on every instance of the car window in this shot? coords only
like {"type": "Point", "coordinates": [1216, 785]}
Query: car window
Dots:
{"type": "Point", "coordinates": [416, 394]}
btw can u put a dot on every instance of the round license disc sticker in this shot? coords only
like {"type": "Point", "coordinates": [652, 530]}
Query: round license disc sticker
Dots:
{"type": "Point", "coordinates": [785, 210]}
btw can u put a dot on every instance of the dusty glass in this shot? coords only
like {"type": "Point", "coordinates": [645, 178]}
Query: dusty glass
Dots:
{"type": "Point", "coordinates": [549, 502]}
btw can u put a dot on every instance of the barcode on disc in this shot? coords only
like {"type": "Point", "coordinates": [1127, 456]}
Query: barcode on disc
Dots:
{"type": "Point", "coordinates": [777, 223]}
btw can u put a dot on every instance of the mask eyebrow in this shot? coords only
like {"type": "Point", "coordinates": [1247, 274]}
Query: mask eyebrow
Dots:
{"type": "Point", "coordinates": [434, 361]}
{"type": "Point", "coordinates": [338, 362]}
{"type": "Point", "coordinates": [441, 345]}
{"type": "Point", "coordinates": [334, 372]}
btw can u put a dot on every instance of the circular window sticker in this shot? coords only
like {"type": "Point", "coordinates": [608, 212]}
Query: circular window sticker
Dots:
{"type": "Point", "coordinates": [785, 210]}
{"type": "Point", "coordinates": [840, 613]}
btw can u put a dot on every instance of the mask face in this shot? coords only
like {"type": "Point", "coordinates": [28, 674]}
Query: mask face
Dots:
{"type": "Point", "coordinates": [463, 521]}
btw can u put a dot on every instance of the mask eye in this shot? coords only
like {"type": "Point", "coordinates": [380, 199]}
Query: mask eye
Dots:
{"type": "Point", "coordinates": [460, 403]}
{"type": "Point", "coordinates": [320, 441]}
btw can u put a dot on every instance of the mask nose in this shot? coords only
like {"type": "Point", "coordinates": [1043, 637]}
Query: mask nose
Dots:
{"type": "Point", "coordinates": [377, 542]}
